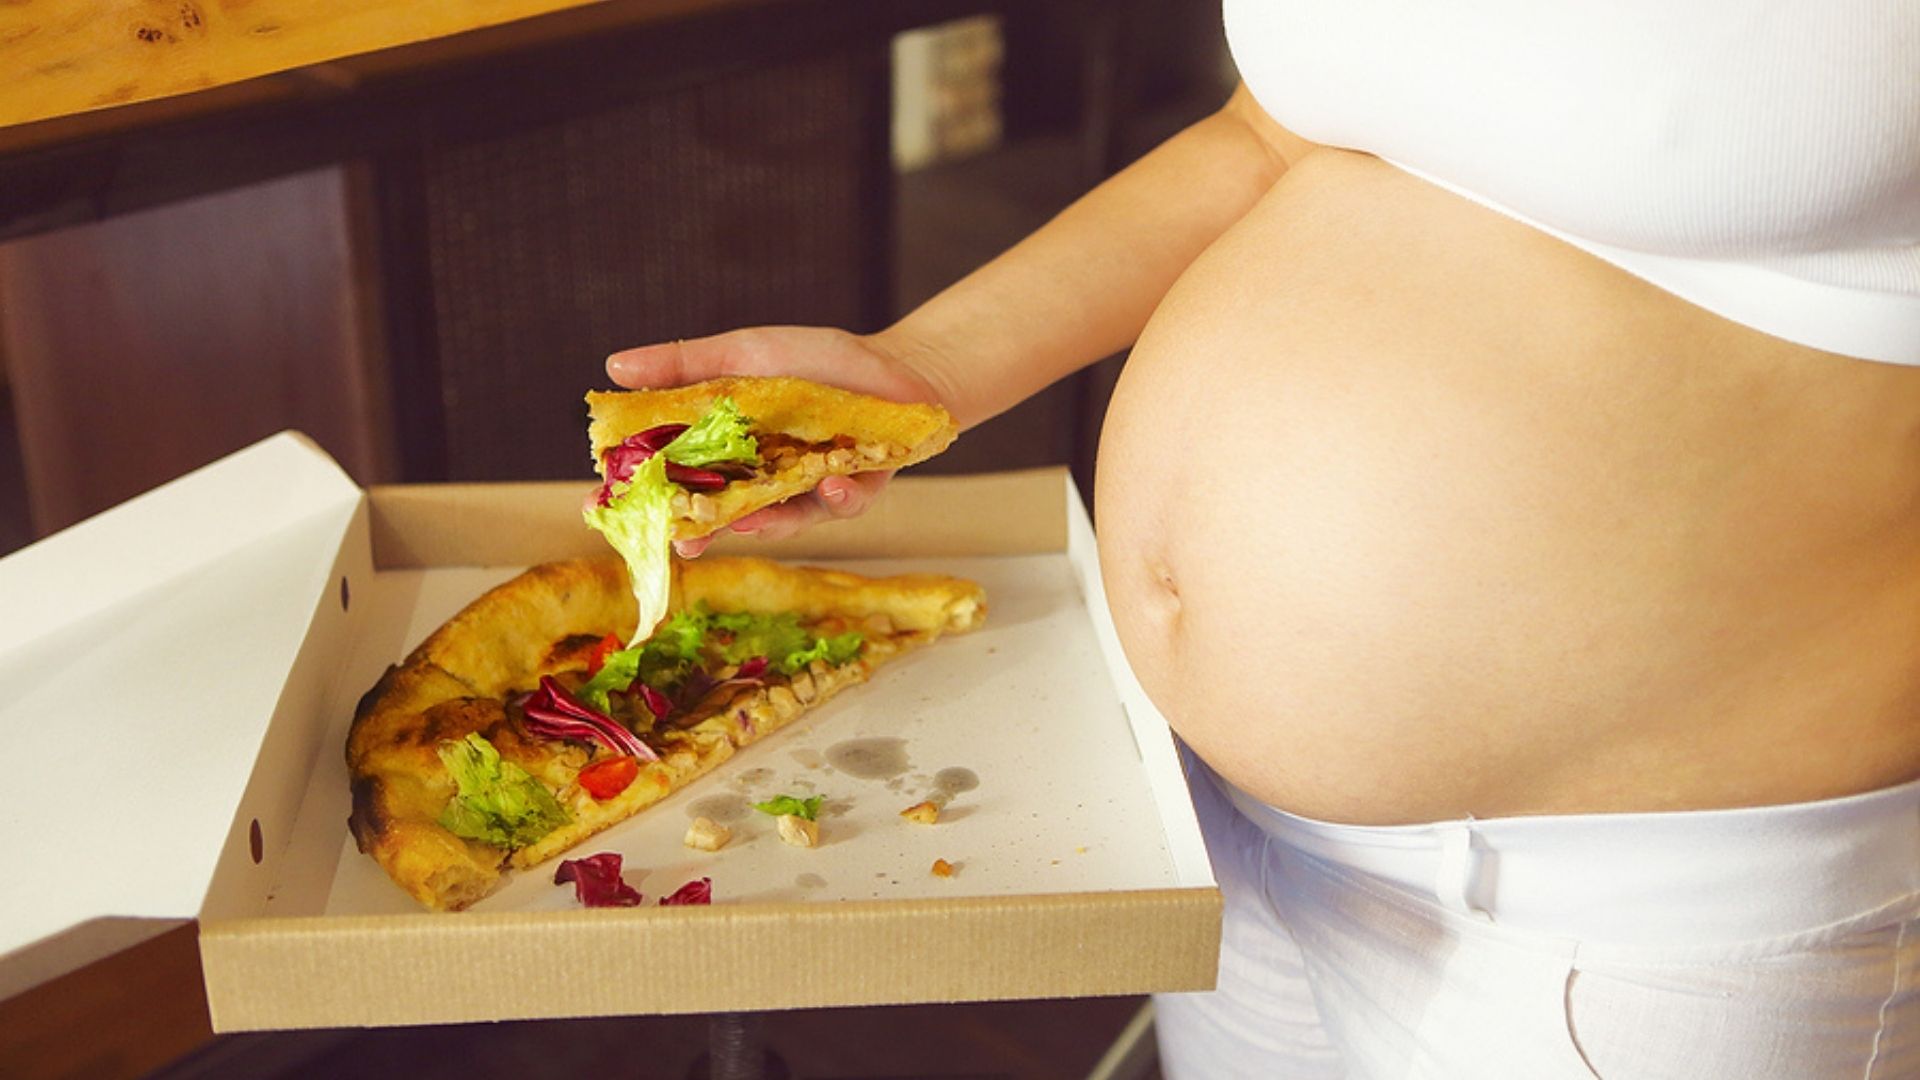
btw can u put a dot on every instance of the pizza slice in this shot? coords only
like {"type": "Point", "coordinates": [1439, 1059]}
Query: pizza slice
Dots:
{"type": "Point", "coordinates": [522, 726]}
{"type": "Point", "coordinates": [682, 463]}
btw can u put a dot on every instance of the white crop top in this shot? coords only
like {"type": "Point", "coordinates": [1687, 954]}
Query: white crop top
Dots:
{"type": "Point", "coordinates": [1759, 158]}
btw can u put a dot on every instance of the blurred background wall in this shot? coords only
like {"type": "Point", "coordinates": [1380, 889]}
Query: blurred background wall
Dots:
{"type": "Point", "coordinates": [422, 261]}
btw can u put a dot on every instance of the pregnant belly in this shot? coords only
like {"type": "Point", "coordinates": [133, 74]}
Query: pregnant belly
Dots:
{"type": "Point", "coordinates": [1410, 512]}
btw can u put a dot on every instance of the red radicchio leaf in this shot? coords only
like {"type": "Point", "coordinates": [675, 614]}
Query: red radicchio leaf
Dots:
{"type": "Point", "coordinates": [620, 461]}
{"type": "Point", "coordinates": [732, 470]}
{"type": "Point", "coordinates": [556, 714]}
{"type": "Point", "coordinates": [695, 688]}
{"type": "Point", "coordinates": [695, 479]}
{"type": "Point", "coordinates": [700, 684]}
{"type": "Point", "coordinates": [693, 892]}
{"type": "Point", "coordinates": [655, 439]}
{"type": "Point", "coordinates": [657, 703]}
{"type": "Point", "coordinates": [597, 882]}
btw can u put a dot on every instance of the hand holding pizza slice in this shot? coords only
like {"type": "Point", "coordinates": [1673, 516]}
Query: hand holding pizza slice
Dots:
{"type": "Point", "coordinates": [886, 366]}
{"type": "Point", "coordinates": [679, 464]}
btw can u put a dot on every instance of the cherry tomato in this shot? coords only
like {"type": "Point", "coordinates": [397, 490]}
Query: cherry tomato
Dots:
{"type": "Point", "coordinates": [605, 779]}
{"type": "Point", "coordinates": [598, 659]}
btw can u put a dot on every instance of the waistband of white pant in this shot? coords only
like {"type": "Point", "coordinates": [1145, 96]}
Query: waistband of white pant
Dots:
{"type": "Point", "coordinates": [1657, 879]}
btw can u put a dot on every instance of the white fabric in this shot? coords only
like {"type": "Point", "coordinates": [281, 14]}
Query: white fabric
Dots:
{"type": "Point", "coordinates": [1778, 943]}
{"type": "Point", "coordinates": [1760, 158]}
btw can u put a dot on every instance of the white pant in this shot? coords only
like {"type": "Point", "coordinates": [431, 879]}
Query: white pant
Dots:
{"type": "Point", "coordinates": [1775, 942]}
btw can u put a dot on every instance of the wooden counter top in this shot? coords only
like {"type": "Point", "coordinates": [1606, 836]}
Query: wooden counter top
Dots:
{"type": "Point", "coordinates": [81, 68]}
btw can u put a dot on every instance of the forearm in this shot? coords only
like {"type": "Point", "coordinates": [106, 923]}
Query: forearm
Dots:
{"type": "Point", "coordinates": [1082, 287]}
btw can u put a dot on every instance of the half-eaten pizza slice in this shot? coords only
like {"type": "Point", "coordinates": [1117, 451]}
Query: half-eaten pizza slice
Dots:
{"type": "Point", "coordinates": [682, 463]}
{"type": "Point", "coordinates": [524, 725]}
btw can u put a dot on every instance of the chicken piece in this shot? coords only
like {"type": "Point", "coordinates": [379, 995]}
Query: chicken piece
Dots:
{"type": "Point", "coordinates": [798, 831]}
{"type": "Point", "coordinates": [707, 834]}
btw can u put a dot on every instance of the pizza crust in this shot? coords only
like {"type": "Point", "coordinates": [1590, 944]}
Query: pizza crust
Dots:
{"type": "Point", "coordinates": [400, 787]}
{"type": "Point", "coordinates": [502, 641]}
{"type": "Point", "coordinates": [455, 682]}
{"type": "Point", "coordinates": [922, 602]}
{"type": "Point", "coordinates": [886, 434]}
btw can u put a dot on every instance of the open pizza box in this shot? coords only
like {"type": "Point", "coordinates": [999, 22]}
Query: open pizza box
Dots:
{"type": "Point", "coordinates": [181, 670]}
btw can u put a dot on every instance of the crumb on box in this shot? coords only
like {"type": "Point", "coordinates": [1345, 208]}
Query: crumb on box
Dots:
{"type": "Point", "coordinates": [707, 834]}
{"type": "Point", "coordinates": [942, 868]}
{"type": "Point", "coordinates": [926, 813]}
{"type": "Point", "coordinates": [798, 831]}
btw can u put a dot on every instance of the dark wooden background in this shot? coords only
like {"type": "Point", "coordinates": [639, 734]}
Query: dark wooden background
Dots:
{"type": "Point", "coordinates": [424, 268]}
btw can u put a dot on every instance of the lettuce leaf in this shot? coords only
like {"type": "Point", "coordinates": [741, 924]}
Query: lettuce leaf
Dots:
{"type": "Point", "coordinates": [782, 805]}
{"type": "Point", "coordinates": [720, 435]}
{"type": "Point", "coordinates": [835, 650]}
{"type": "Point", "coordinates": [661, 661]}
{"type": "Point", "coordinates": [616, 673]}
{"type": "Point", "coordinates": [638, 522]}
{"type": "Point", "coordinates": [677, 649]}
{"type": "Point", "coordinates": [771, 636]}
{"type": "Point", "coordinates": [496, 801]}
{"type": "Point", "coordinates": [677, 643]}
{"type": "Point", "coordinates": [786, 644]}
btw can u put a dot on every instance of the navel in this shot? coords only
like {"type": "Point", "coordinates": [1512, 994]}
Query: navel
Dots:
{"type": "Point", "coordinates": [1163, 594]}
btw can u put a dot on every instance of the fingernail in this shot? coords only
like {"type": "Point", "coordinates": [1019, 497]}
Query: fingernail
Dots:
{"type": "Point", "coordinates": [834, 493]}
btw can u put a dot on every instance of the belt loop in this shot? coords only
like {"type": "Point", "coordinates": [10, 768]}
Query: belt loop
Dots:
{"type": "Point", "coordinates": [1459, 870]}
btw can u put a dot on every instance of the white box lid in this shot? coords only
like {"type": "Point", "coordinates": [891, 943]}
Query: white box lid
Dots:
{"type": "Point", "coordinates": [162, 629]}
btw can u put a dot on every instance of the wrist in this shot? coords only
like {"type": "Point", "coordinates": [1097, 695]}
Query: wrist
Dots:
{"type": "Point", "coordinates": [928, 362]}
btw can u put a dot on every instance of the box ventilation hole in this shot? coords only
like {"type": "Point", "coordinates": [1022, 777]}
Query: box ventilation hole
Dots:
{"type": "Point", "coordinates": [345, 596]}
{"type": "Point", "coordinates": [256, 844]}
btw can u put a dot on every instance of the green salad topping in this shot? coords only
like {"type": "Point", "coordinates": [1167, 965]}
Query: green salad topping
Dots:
{"type": "Point", "coordinates": [496, 802]}
{"type": "Point", "coordinates": [783, 805]}
{"type": "Point", "coordinates": [689, 638]}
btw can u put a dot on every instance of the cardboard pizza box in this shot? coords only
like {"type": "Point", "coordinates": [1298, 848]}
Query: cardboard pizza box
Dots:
{"type": "Point", "coordinates": [181, 670]}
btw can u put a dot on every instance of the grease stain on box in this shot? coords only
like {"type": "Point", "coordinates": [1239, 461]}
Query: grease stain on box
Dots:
{"type": "Point", "coordinates": [752, 778]}
{"type": "Point", "coordinates": [953, 781]}
{"type": "Point", "coordinates": [877, 758]}
{"type": "Point", "coordinates": [724, 809]}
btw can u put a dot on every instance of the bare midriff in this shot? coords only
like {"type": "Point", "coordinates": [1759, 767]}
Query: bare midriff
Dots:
{"type": "Point", "coordinates": [1409, 512]}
